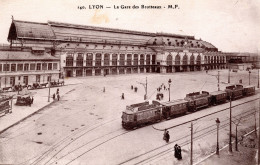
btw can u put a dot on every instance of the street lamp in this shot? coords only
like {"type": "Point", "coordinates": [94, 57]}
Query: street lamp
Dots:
{"type": "Point", "coordinates": [217, 122]}
{"type": "Point", "coordinates": [228, 74]}
{"type": "Point", "coordinates": [230, 125]}
{"type": "Point", "coordinates": [249, 76]}
{"type": "Point", "coordinates": [169, 82]}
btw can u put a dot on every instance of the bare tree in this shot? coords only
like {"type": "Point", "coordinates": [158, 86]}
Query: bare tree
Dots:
{"type": "Point", "coordinates": [237, 122]}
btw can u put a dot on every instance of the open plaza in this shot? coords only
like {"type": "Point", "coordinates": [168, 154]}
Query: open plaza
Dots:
{"type": "Point", "coordinates": [86, 121]}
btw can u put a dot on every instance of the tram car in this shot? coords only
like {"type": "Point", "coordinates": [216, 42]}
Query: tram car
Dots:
{"type": "Point", "coordinates": [140, 114]}
{"type": "Point", "coordinates": [249, 90]}
{"type": "Point", "coordinates": [174, 108]}
{"type": "Point", "coordinates": [197, 100]}
{"type": "Point", "coordinates": [234, 91]}
{"type": "Point", "coordinates": [5, 104]}
{"type": "Point", "coordinates": [218, 97]}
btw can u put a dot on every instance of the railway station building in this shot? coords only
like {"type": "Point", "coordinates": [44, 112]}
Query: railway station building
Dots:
{"type": "Point", "coordinates": [88, 51]}
{"type": "Point", "coordinates": [27, 66]}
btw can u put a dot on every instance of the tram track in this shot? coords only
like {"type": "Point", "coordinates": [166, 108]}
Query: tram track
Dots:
{"type": "Point", "coordinates": [169, 146]}
{"type": "Point", "coordinates": [68, 140]}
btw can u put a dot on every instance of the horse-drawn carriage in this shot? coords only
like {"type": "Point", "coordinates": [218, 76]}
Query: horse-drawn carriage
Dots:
{"type": "Point", "coordinates": [24, 98]}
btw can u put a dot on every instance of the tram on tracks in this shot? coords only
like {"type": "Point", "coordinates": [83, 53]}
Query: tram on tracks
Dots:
{"type": "Point", "coordinates": [144, 113]}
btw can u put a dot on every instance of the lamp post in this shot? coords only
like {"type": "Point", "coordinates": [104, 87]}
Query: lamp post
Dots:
{"type": "Point", "coordinates": [217, 122]}
{"type": "Point", "coordinates": [249, 76]}
{"type": "Point", "coordinates": [229, 74]}
{"type": "Point", "coordinates": [49, 84]}
{"type": "Point", "coordinates": [258, 79]}
{"type": "Point", "coordinates": [230, 126]}
{"type": "Point", "coordinates": [169, 82]}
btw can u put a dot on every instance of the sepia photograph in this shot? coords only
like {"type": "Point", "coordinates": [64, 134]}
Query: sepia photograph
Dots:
{"type": "Point", "coordinates": [127, 82]}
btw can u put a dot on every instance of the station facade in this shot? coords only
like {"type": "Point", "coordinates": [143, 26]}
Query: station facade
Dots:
{"type": "Point", "coordinates": [87, 50]}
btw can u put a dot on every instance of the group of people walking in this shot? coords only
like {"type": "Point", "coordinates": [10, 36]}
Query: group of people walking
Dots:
{"type": "Point", "coordinates": [177, 148]}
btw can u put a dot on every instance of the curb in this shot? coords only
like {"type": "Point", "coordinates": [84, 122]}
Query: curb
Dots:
{"type": "Point", "coordinates": [21, 120]}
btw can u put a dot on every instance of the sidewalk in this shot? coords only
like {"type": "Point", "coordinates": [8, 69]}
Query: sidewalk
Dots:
{"type": "Point", "coordinates": [246, 154]}
{"type": "Point", "coordinates": [20, 113]}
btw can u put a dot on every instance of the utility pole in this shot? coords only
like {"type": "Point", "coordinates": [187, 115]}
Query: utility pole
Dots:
{"type": "Point", "coordinates": [49, 91]}
{"type": "Point", "coordinates": [230, 126]}
{"type": "Point", "coordinates": [258, 79]}
{"type": "Point", "coordinates": [259, 135]}
{"type": "Point", "coordinates": [145, 88]}
{"type": "Point", "coordinates": [191, 144]}
{"type": "Point", "coordinates": [229, 74]}
{"type": "Point", "coordinates": [218, 81]}
{"type": "Point", "coordinates": [249, 76]}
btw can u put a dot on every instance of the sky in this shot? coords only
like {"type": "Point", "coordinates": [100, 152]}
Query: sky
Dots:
{"type": "Point", "coordinates": [230, 25]}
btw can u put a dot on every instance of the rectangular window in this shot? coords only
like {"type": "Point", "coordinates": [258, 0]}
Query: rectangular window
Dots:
{"type": "Point", "coordinates": [0, 68]}
{"type": "Point", "coordinates": [12, 81]}
{"type": "Point", "coordinates": [6, 67]}
{"type": "Point", "coordinates": [25, 80]}
{"type": "Point", "coordinates": [49, 78]}
{"type": "Point", "coordinates": [38, 78]}
{"type": "Point", "coordinates": [49, 66]}
{"type": "Point", "coordinates": [55, 66]}
{"type": "Point", "coordinates": [26, 67]}
{"type": "Point", "coordinates": [13, 67]}
{"type": "Point", "coordinates": [20, 67]}
{"type": "Point", "coordinates": [32, 66]}
{"type": "Point", "coordinates": [38, 66]}
{"type": "Point", "coordinates": [19, 77]}
{"type": "Point", "coordinates": [44, 66]}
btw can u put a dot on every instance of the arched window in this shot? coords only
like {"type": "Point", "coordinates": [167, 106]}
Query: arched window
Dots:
{"type": "Point", "coordinates": [198, 60]}
{"type": "Point", "coordinates": [98, 59]}
{"type": "Point", "coordinates": [141, 59]}
{"type": "Point", "coordinates": [185, 60]}
{"type": "Point", "coordinates": [135, 59]}
{"type": "Point", "coordinates": [169, 60]}
{"type": "Point", "coordinates": [114, 59]}
{"type": "Point", "coordinates": [148, 59]}
{"type": "Point", "coordinates": [177, 59]}
{"type": "Point", "coordinates": [192, 59]}
{"type": "Point", "coordinates": [69, 60]}
{"type": "Point", "coordinates": [79, 59]}
{"type": "Point", "coordinates": [89, 59]}
{"type": "Point", "coordinates": [129, 59]}
{"type": "Point", "coordinates": [122, 59]}
{"type": "Point", "coordinates": [106, 59]}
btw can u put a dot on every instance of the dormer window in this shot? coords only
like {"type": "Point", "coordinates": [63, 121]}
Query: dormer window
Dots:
{"type": "Point", "coordinates": [38, 50]}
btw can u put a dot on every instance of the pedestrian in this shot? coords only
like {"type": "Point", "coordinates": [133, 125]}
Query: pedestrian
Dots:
{"type": "Point", "coordinates": [123, 96]}
{"type": "Point", "coordinates": [58, 96]}
{"type": "Point", "coordinates": [57, 92]}
{"type": "Point", "coordinates": [164, 134]}
{"type": "Point", "coordinates": [132, 87]}
{"type": "Point", "coordinates": [53, 96]}
{"type": "Point", "coordinates": [29, 101]}
{"type": "Point", "coordinates": [176, 151]}
{"type": "Point", "coordinates": [104, 89]}
{"type": "Point", "coordinates": [179, 152]}
{"type": "Point", "coordinates": [32, 100]}
{"type": "Point", "coordinates": [167, 136]}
